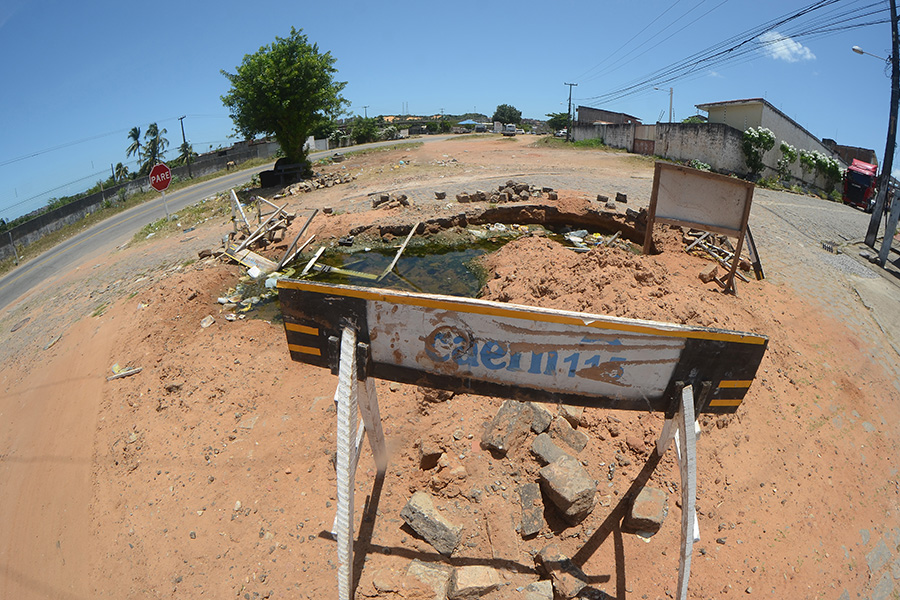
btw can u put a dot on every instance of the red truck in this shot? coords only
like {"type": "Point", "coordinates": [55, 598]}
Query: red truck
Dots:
{"type": "Point", "coordinates": [859, 185]}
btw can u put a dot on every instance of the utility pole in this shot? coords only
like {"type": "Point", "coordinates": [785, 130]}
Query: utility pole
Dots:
{"type": "Point", "coordinates": [671, 93]}
{"type": "Point", "coordinates": [365, 111]}
{"type": "Point", "coordinates": [888, 163]}
{"type": "Point", "coordinates": [569, 128]}
{"type": "Point", "coordinates": [184, 143]}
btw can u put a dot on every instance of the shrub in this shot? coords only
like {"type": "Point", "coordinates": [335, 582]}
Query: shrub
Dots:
{"type": "Point", "coordinates": [701, 166]}
{"type": "Point", "coordinates": [756, 142]}
{"type": "Point", "coordinates": [788, 157]}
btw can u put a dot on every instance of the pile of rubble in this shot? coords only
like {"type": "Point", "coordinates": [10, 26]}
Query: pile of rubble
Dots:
{"type": "Point", "coordinates": [511, 191]}
{"type": "Point", "coordinates": [560, 480]}
{"type": "Point", "coordinates": [389, 201]}
{"type": "Point", "coordinates": [321, 181]}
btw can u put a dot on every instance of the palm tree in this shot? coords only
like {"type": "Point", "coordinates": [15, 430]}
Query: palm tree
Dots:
{"type": "Point", "coordinates": [186, 150]}
{"type": "Point", "coordinates": [154, 144]}
{"type": "Point", "coordinates": [121, 172]}
{"type": "Point", "coordinates": [135, 148]}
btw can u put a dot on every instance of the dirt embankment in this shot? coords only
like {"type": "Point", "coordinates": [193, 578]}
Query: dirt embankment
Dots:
{"type": "Point", "coordinates": [209, 474]}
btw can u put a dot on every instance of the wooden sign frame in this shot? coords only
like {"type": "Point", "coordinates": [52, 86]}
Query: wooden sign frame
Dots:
{"type": "Point", "coordinates": [525, 353]}
{"type": "Point", "coordinates": [701, 200]}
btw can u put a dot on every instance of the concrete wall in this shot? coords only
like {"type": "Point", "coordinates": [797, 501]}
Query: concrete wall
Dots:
{"type": "Point", "coordinates": [788, 131]}
{"type": "Point", "coordinates": [715, 144]}
{"type": "Point", "coordinates": [27, 233]}
{"type": "Point", "coordinates": [739, 116]}
{"type": "Point", "coordinates": [617, 136]}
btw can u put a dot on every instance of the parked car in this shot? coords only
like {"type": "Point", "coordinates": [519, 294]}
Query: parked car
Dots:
{"type": "Point", "coordinates": [509, 129]}
{"type": "Point", "coordinates": [560, 133]}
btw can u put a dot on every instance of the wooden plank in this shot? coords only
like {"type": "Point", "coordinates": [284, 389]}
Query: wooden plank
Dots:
{"type": "Point", "coordinates": [240, 209]}
{"type": "Point", "coordinates": [313, 260]}
{"type": "Point", "coordinates": [298, 251]}
{"type": "Point", "coordinates": [256, 234]}
{"type": "Point", "coordinates": [709, 200]}
{"type": "Point", "coordinates": [754, 256]}
{"type": "Point", "coordinates": [284, 259]}
{"type": "Point", "coordinates": [687, 465]}
{"type": "Point", "coordinates": [399, 252]}
{"type": "Point", "coordinates": [251, 259]}
{"type": "Point", "coordinates": [505, 350]}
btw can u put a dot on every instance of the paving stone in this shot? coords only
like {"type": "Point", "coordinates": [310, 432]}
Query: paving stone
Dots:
{"type": "Point", "coordinates": [541, 417]}
{"type": "Point", "coordinates": [472, 581]}
{"type": "Point", "coordinates": [430, 453]}
{"type": "Point", "coordinates": [569, 487]}
{"type": "Point", "coordinates": [532, 509]}
{"type": "Point", "coordinates": [648, 510]}
{"type": "Point", "coordinates": [545, 450]}
{"type": "Point", "coordinates": [561, 429]}
{"type": "Point", "coordinates": [420, 514]}
{"type": "Point", "coordinates": [884, 589]}
{"type": "Point", "coordinates": [878, 557]}
{"type": "Point", "coordinates": [539, 590]}
{"type": "Point", "coordinates": [434, 577]}
{"type": "Point", "coordinates": [509, 427]}
{"type": "Point", "coordinates": [567, 578]}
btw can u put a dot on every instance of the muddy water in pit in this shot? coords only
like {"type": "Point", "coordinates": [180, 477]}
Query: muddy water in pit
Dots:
{"type": "Point", "coordinates": [450, 271]}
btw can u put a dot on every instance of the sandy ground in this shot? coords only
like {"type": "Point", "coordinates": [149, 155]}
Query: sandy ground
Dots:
{"type": "Point", "coordinates": [209, 474]}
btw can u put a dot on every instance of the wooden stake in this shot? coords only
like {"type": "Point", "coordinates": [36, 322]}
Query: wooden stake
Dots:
{"type": "Point", "coordinates": [399, 252]}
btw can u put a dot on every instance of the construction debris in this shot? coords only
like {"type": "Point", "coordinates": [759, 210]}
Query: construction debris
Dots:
{"type": "Point", "coordinates": [322, 181]}
{"type": "Point", "coordinates": [511, 191]}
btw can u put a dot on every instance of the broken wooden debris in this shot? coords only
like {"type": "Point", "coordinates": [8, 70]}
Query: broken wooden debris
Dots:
{"type": "Point", "coordinates": [312, 261]}
{"type": "Point", "coordinates": [287, 254]}
{"type": "Point", "coordinates": [124, 372]}
{"type": "Point", "coordinates": [251, 259]}
{"type": "Point", "coordinates": [399, 252]}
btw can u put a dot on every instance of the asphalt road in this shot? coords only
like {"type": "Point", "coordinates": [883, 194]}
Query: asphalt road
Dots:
{"type": "Point", "coordinates": [120, 228]}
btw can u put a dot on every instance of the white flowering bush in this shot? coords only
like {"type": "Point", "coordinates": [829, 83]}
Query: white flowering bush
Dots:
{"type": "Point", "coordinates": [788, 157]}
{"type": "Point", "coordinates": [756, 142]}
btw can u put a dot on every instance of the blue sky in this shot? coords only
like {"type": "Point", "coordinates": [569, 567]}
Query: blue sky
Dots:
{"type": "Point", "coordinates": [77, 76]}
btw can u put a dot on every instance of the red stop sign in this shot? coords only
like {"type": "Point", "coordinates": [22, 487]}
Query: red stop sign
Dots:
{"type": "Point", "coordinates": [160, 177]}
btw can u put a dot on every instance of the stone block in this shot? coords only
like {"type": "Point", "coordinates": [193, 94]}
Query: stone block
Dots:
{"type": "Point", "coordinates": [552, 196]}
{"type": "Point", "coordinates": [539, 590]}
{"type": "Point", "coordinates": [709, 273]}
{"type": "Point", "coordinates": [430, 452]}
{"type": "Point", "coordinates": [541, 418]}
{"type": "Point", "coordinates": [532, 509]}
{"type": "Point", "coordinates": [545, 450]}
{"type": "Point", "coordinates": [503, 197]}
{"type": "Point", "coordinates": [572, 414]}
{"type": "Point", "coordinates": [421, 515]}
{"type": "Point", "coordinates": [560, 429]}
{"type": "Point", "coordinates": [620, 197]}
{"type": "Point", "coordinates": [648, 510]}
{"type": "Point", "coordinates": [566, 577]}
{"type": "Point", "coordinates": [602, 199]}
{"type": "Point", "coordinates": [472, 581]}
{"type": "Point", "coordinates": [440, 195]}
{"type": "Point", "coordinates": [509, 427]}
{"type": "Point", "coordinates": [427, 394]}
{"type": "Point", "coordinates": [430, 576]}
{"type": "Point", "coordinates": [569, 487]}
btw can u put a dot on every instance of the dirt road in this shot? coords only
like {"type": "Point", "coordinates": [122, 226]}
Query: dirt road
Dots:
{"type": "Point", "coordinates": [209, 474]}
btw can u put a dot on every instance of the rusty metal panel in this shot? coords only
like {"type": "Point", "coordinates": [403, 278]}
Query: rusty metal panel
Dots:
{"type": "Point", "coordinates": [647, 147]}
{"type": "Point", "coordinates": [513, 351]}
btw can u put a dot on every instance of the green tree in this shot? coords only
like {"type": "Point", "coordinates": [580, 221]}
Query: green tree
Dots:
{"type": "Point", "coordinates": [185, 150]}
{"type": "Point", "coordinates": [557, 121]}
{"type": "Point", "coordinates": [695, 119]}
{"type": "Point", "coordinates": [445, 126]}
{"type": "Point", "coordinates": [365, 130]}
{"type": "Point", "coordinates": [121, 172]}
{"type": "Point", "coordinates": [507, 113]}
{"type": "Point", "coordinates": [154, 147]}
{"type": "Point", "coordinates": [134, 149]}
{"type": "Point", "coordinates": [286, 89]}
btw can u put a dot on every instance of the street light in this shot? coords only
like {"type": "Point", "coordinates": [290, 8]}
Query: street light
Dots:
{"type": "Point", "coordinates": [671, 93]}
{"type": "Point", "coordinates": [859, 50]}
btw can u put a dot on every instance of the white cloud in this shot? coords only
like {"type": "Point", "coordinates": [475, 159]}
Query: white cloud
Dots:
{"type": "Point", "coordinates": [780, 47]}
{"type": "Point", "coordinates": [715, 74]}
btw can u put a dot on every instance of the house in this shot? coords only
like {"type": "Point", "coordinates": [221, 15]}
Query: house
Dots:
{"type": "Point", "coordinates": [848, 153]}
{"type": "Point", "coordinates": [758, 112]}
{"type": "Point", "coordinates": [598, 116]}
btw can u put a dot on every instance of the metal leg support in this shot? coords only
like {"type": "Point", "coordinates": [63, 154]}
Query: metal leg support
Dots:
{"type": "Point", "coordinates": [683, 429]}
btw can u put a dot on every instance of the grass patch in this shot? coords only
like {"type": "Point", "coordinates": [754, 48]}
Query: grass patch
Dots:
{"type": "Point", "coordinates": [591, 143]}
{"type": "Point", "coordinates": [404, 146]}
{"type": "Point", "coordinates": [100, 310]}
{"type": "Point", "coordinates": [189, 216]}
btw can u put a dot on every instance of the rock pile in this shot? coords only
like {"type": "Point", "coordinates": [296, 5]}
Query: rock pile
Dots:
{"type": "Point", "coordinates": [511, 191]}
{"type": "Point", "coordinates": [322, 181]}
{"type": "Point", "coordinates": [389, 201]}
{"type": "Point", "coordinates": [559, 485]}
